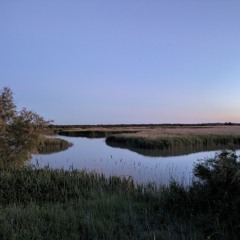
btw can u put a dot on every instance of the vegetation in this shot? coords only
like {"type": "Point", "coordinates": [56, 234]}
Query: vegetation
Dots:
{"type": "Point", "coordinates": [20, 131]}
{"type": "Point", "coordinates": [172, 145]}
{"type": "Point", "coordinates": [92, 133]}
{"type": "Point", "coordinates": [160, 139]}
{"type": "Point", "coordinates": [219, 185]}
{"type": "Point", "coordinates": [58, 204]}
{"type": "Point", "coordinates": [138, 126]}
{"type": "Point", "coordinates": [177, 141]}
{"type": "Point", "coordinates": [52, 145]}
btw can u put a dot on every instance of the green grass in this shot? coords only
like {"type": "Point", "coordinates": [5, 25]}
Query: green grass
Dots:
{"type": "Point", "coordinates": [51, 145]}
{"type": "Point", "coordinates": [59, 204]}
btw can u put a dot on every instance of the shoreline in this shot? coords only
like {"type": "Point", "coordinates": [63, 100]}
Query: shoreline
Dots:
{"type": "Point", "coordinates": [162, 138]}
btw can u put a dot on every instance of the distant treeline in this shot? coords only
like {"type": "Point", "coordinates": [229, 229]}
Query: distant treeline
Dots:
{"type": "Point", "coordinates": [146, 125]}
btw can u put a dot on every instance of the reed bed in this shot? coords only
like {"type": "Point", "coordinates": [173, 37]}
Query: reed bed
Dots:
{"type": "Point", "coordinates": [51, 145]}
{"type": "Point", "coordinates": [190, 142]}
{"type": "Point", "coordinates": [159, 132]}
{"type": "Point", "coordinates": [177, 140]}
{"type": "Point", "coordinates": [155, 131]}
{"type": "Point", "coordinates": [185, 138]}
{"type": "Point", "coordinates": [59, 204]}
{"type": "Point", "coordinates": [92, 133]}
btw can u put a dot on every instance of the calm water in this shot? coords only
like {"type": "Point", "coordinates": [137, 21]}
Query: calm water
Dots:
{"type": "Point", "coordinates": [95, 155]}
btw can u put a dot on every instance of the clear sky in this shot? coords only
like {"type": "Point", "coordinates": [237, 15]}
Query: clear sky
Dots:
{"type": "Point", "coordinates": [123, 61]}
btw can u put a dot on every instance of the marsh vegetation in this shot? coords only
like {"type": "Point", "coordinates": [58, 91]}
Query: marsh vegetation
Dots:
{"type": "Point", "coordinates": [161, 140]}
{"type": "Point", "coordinates": [58, 204]}
{"type": "Point", "coordinates": [71, 204]}
{"type": "Point", "coordinates": [52, 145]}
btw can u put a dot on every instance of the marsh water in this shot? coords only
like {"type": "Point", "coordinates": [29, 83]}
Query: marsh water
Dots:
{"type": "Point", "coordinates": [95, 155]}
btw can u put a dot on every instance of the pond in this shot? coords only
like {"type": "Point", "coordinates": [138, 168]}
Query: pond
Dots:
{"type": "Point", "coordinates": [95, 155]}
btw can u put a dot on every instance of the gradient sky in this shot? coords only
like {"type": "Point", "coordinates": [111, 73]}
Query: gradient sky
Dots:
{"type": "Point", "coordinates": [123, 61]}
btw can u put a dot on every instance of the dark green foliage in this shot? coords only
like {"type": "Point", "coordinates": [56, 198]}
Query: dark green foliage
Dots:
{"type": "Point", "coordinates": [213, 201]}
{"type": "Point", "coordinates": [220, 178]}
{"type": "Point", "coordinates": [20, 131]}
{"type": "Point", "coordinates": [58, 204]}
{"type": "Point", "coordinates": [46, 185]}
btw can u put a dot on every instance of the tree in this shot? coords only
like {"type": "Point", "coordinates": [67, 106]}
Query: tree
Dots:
{"type": "Point", "coordinates": [20, 131]}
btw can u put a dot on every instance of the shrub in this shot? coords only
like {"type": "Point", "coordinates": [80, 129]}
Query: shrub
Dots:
{"type": "Point", "coordinates": [220, 186]}
{"type": "Point", "coordinates": [20, 131]}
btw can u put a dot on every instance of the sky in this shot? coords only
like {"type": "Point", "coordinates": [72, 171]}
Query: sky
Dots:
{"type": "Point", "coordinates": [123, 61]}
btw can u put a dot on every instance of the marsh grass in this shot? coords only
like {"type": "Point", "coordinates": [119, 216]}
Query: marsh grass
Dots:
{"type": "Point", "coordinates": [171, 140]}
{"type": "Point", "coordinates": [59, 204]}
{"type": "Point", "coordinates": [93, 133]}
{"type": "Point", "coordinates": [189, 141]}
{"type": "Point", "coordinates": [174, 145]}
{"type": "Point", "coordinates": [151, 131]}
{"type": "Point", "coordinates": [52, 145]}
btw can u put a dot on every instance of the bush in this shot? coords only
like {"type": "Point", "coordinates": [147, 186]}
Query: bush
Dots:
{"type": "Point", "coordinates": [220, 186]}
{"type": "Point", "coordinates": [212, 202]}
{"type": "Point", "coordinates": [20, 131]}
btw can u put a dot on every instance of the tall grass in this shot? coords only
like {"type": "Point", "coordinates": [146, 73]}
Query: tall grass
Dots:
{"type": "Point", "coordinates": [177, 143]}
{"type": "Point", "coordinates": [51, 145]}
{"type": "Point", "coordinates": [58, 204]}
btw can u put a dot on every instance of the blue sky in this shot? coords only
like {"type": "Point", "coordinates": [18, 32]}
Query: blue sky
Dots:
{"type": "Point", "coordinates": [123, 61]}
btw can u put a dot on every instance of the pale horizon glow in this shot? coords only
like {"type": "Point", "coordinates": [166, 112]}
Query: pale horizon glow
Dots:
{"type": "Point", "coordinates": [123, 62]}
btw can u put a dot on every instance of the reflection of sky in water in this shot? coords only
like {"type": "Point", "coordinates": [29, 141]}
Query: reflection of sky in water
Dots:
{"type": "Point", "coordinates": [95, 155]}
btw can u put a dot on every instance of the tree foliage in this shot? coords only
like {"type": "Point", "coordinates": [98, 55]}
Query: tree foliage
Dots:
{"type": "Point", "coordinates": [212, 201]}
{"type": "Point", "coordinates": [20, 131]}
{"type": "Point", "coordinates": [220, 181]}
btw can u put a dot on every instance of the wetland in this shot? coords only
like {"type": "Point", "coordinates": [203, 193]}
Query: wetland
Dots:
{"type": "Point", "coordinates": [109, 150]}
{"type": "Point", "coordinates": [91, 190]}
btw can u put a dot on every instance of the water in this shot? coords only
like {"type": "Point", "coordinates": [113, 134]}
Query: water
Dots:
{"type": "Point", "coordinates": [95, 155]}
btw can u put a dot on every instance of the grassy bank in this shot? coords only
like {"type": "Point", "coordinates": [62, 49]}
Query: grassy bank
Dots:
{"type": "Point", "coordinates": [52, 145]}
{"type": "Point", "coordinates": [92, 133]}
{"type": "Point", "coordinates": [46, 145]}
{"type": "Point", "coordinates": [178, 140]}
{"type": "Point", "coordinates": [58, 204]}
{"type": "Point", "coordinates": [190, 143]}
{"type": "Point", "coordinates": [51, 204]}
{"type": "Point", "coordinates": [165, 140]}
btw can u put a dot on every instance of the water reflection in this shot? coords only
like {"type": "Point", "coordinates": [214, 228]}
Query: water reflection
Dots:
{"type": "Point", "coordinates": [165, 152]}
{"type": "Point", "coordinates": [95, 155]}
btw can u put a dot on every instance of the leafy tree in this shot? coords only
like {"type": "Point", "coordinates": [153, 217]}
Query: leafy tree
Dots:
{"type": "Point", "coordinates": [20, 131]}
